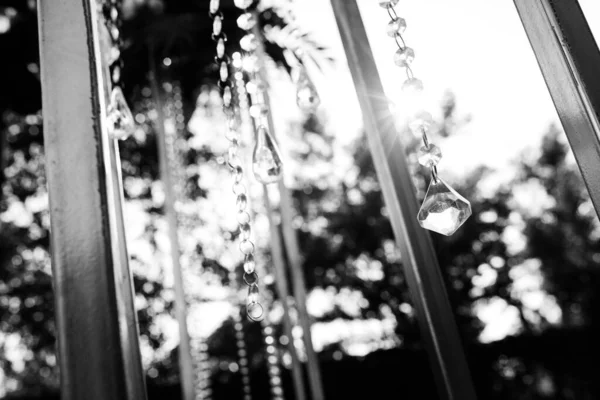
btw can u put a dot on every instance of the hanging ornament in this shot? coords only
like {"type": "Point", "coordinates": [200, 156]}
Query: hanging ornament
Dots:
{"type": "Point", "coordinates": [443, 210]}
{"type": "Point", "coordinates": [266, 160]}
{"type": "Point", "coordinates": [307, 96]}
{"type": "Point", "coordinates": [120, 119]}
{"type": "Point", "coordinates": [267, 163]}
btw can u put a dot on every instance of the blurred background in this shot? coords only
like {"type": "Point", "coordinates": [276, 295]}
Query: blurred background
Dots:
{"type": "Point", "coordinates": [522, 273]}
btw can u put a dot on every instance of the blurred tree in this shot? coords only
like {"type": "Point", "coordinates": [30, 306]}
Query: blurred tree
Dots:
{"type": "Point", "coordinates": [521, 273]}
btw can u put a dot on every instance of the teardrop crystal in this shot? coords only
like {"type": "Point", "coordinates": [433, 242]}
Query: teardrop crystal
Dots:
{"type": "Point", "coordinates": [266, 160]}
{"type": "Point", "coordinates": [443, 210]}
{"type": "Point", "coordinates": [120, 120]}
{"type": "Point", "coordinates": [307, 96]}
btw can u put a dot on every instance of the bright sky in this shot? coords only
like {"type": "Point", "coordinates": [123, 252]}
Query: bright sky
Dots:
{"type": "Point", "coordinates": [477, 49]}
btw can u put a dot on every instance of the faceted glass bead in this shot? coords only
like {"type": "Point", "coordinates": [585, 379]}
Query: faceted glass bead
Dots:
{"type": "Point", "coordinates": [396, 27]}
{"type": "Point", "coordinates": [443, 210]}
{"type": "Point", "coordinates": [388, 3]}
{"type": "Point", "coordinates": [243, 4]}
{"type": "Point", "coordinates": [412, 86]}
{"type": "Point", "coordinates": [120, 120]}
{"type": "Point", "coordinates": [430, 156]}
{"type": "Point", "coordinates": [404, 57]}
{"type": "Point", "coordinates": [307, 96]}
{"type": "Point", "coordinates": [421, 122]}
{"type": "Point", "coordinates": [266, 160]}
{"type": "Point", "coordinates": [246, 21]}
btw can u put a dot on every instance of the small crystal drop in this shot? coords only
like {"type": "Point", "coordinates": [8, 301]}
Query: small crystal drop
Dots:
{"type": "Point", "coordinates": [388, 3]}
{"type": "Point", "coordinates": [404, 57]}
{"type": "Point", "coordinates": [443, 210]}
{"type": "Point", "coordinates": [430, 156]}
{"type": "Point", "coordinates": [213, 6]}
{"type": "Point", "coordinates": [307, 96]}
{"type": "Point", "coordinates": [217, 25]}
{"type": "Point", "coordinates": [220, 48]}
{"type": "Point", "coordinates": [396, 27]}
{"type": "Point", "coordinates": [252, 294]}
{"type": "Point", "coordinates": [249, 264]}
{"type": "Point", "coordinates": [120, 120]}
{"type": "Point", "coordinates": [259, 110]}
{"type": "Point", "coordinates": [246, 21]}
{"type": "Point", "coordinates": [266, 160]}
{"type": "Point", "coordinates": [412, 86]}
{"type": "Point", "coordinates": [243, 4]}
{"type": "Point", "coordinates": [114, 55]}
{"type": "Point", "coordinates": [249, 42]}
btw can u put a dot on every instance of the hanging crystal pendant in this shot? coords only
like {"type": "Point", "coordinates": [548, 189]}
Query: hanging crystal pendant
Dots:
{"type": "Point", "coordinates": [443, 210]}
{"type": "Point", "coordinates": [307, 96]}
{"type": "Point", "coordinates": [266, 160]}
{"type": "Point", "coordinates": [120, 120]}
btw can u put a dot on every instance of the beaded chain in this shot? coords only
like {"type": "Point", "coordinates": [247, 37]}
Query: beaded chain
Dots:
{"type": "Point", "coordinates": [254, 309]}
{"type": "Point", "coordinates": [443, 210]}
{"type": "Point", "coordinates": [429, 154]}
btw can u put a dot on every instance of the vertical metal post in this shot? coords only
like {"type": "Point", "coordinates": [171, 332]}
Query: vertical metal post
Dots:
{"type": "Point", "coordinates": [299, 288]}
{"type": "Point", "coordinates": [283, 291]}
{"type": "Point", "coordinates": [97, 329]}
{"type": "Point", "coordinates": [569, 59]}
{"type": "Point", "coordinates": [186, 366]}
{"type": "Point", "coordinates": [438, 328]}
{"type": "Point", "coordinates": [290, 242]}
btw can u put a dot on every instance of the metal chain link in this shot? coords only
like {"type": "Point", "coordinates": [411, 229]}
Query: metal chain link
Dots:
{"type": "Point", "coordinates": [400, 42]}
{"type": "Point", "coordinates": [254, 309]}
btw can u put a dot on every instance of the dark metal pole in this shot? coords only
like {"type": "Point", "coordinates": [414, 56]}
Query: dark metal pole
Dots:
{"type": "Point", "coordinates": [425, 282]}
{"type": "Point", "coordinates": [569, 59]}
{"type": "Point", "coordinates": [283, 291]}
{"type": "Point", "coordinates": [97, 328]}
{"type": "Point", "coordinates": [186, 365]}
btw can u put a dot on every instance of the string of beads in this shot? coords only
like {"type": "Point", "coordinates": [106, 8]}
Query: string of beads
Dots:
{"type": "Point", "coordinates": [254, 309]}
{"type": "Point", "coordinates": [444, 210]}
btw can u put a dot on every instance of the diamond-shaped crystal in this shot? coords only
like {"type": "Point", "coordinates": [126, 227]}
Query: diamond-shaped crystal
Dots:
{"type": "Point", "coordinates": [396, 27]}
{"type": "Point", "coordinates": [404, 57]}
{"type": "Point", "coordinates": [430, 156]}
{"type": "Point", "coordinates": [443, 210]}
